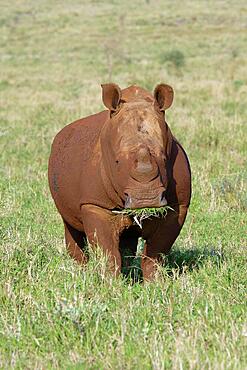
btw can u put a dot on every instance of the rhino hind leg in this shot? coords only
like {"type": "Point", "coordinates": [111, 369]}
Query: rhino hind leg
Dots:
{"type": "Point", "coordinates": [128, 245]}
{"type": "Point", "coordinates": [75, 242]}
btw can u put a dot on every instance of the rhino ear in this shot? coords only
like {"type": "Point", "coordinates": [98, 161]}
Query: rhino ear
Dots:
{"type": "Point", "coordinates": [111, 95]}
{"type": "Point", "coordinates": [164, 96]}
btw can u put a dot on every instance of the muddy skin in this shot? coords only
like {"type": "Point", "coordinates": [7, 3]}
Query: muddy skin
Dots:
{"type": "Point", "coordinates": [125, 156]}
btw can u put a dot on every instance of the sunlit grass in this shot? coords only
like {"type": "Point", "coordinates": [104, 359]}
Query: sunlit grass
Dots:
{"type": "Point", "coordinates": [55, 314]}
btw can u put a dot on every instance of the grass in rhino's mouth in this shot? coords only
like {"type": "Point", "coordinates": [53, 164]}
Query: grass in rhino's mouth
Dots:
{"type": "Point", "coordinates": [140, 214]}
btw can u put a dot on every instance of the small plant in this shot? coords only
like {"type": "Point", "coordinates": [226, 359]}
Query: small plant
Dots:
{"type": "Point", "coordinates": [175, 56]}
{"type": "Point", "coordinates": [140, 214]}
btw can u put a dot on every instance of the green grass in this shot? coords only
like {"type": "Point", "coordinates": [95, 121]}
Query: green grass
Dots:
{"type": "Point", "coordinates": [53, 314]}
{"type": "Point", "coordinates": [141, 214]}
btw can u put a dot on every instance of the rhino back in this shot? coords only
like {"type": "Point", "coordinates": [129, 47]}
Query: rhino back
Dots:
{"type": "Point", "coordinates": [69, 163]}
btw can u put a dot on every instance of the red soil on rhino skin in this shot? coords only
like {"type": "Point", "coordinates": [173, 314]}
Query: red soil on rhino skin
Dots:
{"type": "Point", "coordinates": [125, 156]}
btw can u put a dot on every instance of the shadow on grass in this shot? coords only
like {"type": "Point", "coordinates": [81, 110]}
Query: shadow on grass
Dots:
{"type": "Point", "coordinates": [177, 262]}
{"type": "Point", "coordinates": [192, 259]}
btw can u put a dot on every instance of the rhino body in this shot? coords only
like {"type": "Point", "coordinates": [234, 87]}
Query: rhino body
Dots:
{"type": "Point", "coordinates": [124, 157]}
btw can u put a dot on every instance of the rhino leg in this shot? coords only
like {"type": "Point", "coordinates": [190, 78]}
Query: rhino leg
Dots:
{"type": "Point", "coordinates": [75, 243]}
{"type": "Point", "coordinates": [102, 231]}
{"type": "Point", "coordinates": [161, 240]}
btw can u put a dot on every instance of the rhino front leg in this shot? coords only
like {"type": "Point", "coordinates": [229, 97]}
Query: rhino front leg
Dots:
{"type": "Point", "coordinates": [75, 243]}
{"type": "Point", "coordinates": [101, 231]}
{"type": "Point", "coordinates": [160, 236]}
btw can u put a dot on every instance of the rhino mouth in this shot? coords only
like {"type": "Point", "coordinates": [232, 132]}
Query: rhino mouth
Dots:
{"type": "Point", "coordinates": [148, 200]}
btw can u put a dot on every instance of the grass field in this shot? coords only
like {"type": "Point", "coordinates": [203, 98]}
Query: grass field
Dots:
{"type": "Point", "coordinates": [53, 314]}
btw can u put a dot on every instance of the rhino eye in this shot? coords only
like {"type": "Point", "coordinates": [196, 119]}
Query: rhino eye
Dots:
{"type": "Point", "coordinates": [117, 161]}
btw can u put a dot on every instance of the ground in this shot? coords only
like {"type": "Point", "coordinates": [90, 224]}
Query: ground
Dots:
{"type": "Point", "coordinates": [54, 56]}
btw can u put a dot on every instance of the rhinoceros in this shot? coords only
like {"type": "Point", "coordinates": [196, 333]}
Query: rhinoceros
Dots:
{"type": "Point", "coordinates": [122, 158]}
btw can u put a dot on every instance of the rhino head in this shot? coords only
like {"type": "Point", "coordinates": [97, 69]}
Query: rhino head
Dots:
{"type": "Point", "coordinates": [136, 143]}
